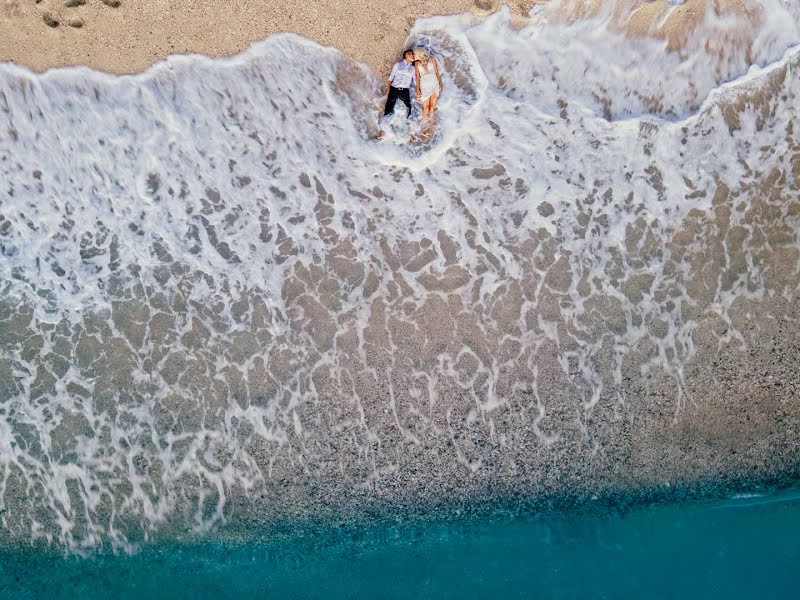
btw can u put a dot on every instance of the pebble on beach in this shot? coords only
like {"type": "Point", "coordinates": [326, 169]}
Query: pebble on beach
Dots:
{"type": "Point", "coordinates": [50, 20]}
{"type": "Point", "coordinates": [111, 3]}
{"type": "Point", "coordinates": [74, 3]}
{"type": "Point", "coordinates": [76, 23]}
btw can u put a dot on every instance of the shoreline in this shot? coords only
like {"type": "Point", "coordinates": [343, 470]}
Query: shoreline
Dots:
{"type": "Point", "coordinates": [131, 36]}
{"type": "Point", "coordinates": [704, 547]}
{"type": "Point", "coordinates": [327, 525]}
{"type": "Point", "coordinates": [123, 37]}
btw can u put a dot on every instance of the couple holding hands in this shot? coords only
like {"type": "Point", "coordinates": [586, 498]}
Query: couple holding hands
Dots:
{"type": "Point", "coordinates": [421, 69]}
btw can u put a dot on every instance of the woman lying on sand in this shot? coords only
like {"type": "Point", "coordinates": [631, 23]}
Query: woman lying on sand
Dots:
{"type": "Point", "coordinates": [420, 67]}
{"type": "Point", "coordinates": [429, 86]}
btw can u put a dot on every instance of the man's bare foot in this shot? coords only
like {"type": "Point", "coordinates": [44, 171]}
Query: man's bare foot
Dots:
{"type": "Point", "coordinates": [380, 135]}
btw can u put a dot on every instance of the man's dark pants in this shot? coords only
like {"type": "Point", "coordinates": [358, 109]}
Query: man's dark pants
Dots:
{"type": "Point", "coordinates": [396, 94]}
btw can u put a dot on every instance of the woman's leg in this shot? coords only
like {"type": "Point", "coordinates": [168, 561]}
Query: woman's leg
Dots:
{"type": "Point", "coordinates": [425, 116]}
{"type": "Point", "coordinates": [429, 115]}
{"type": "Point", "coordinates": [433, 100]}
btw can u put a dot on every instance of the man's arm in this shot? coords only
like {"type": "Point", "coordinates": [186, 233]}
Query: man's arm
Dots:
{"type": "Point", "coordinates": [391, 79]}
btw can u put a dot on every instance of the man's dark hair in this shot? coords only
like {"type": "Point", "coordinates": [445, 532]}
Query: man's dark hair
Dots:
{"type": "Point", "coordinates": [407, 51]}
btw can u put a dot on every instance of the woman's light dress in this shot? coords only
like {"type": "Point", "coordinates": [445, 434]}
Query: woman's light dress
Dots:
{"type": "Point", "coordinates": [428, 81]}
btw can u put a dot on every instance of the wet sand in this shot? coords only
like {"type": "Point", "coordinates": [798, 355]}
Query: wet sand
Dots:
{"type": "Point", "coordinates": [736, 417]}
{"type": "Point", "coordinates": [657, 18]}
{"type": "Point", "coordinates": [123, 36]}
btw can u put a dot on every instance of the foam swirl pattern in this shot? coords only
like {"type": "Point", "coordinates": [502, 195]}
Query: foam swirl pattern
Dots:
{"type": "Point", "coordinates": [219, 297]}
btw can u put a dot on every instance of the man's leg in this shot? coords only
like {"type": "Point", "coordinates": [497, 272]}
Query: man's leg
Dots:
{"type": "Point", "coordinates": [405, 96]}
{"type": "Point", "coordinates": [390, 101]}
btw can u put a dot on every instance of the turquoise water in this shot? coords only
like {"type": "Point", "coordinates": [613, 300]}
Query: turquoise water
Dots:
{"type": "Point", "coordinates": [738, 548]}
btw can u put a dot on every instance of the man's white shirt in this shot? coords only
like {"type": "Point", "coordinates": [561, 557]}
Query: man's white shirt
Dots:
{"type": "Point", "coordinates": [402, 75]}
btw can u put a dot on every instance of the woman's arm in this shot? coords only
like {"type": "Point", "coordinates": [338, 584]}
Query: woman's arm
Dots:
{"type": "Point", "coordinates": [438, 75]}
{"type": "Point", "coordinates": [416, 79]}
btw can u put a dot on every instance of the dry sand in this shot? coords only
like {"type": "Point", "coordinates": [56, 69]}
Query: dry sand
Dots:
{"type": "Point", "coordinates": [127, 36]}
{"type": "Point", "coordinates": [130, 37]}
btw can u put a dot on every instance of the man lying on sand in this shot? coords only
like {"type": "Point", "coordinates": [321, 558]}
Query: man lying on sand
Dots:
{"type": "Point", "coordinates": [420, 68]}
{"type": "Point", "coordinates": [400, 80]}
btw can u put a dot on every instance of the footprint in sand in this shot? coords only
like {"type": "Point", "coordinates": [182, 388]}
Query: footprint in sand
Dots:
{"type": "Point", "coordinates": [54, 21]}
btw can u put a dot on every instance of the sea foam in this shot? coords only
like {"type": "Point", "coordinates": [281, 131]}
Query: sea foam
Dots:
{"type": "Point", "coordinates": [219, 293]}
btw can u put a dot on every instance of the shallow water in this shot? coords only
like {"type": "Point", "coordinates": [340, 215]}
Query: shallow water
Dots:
{"type": "Point", "coordinates": [220, 297]}
{"type": "Point", "coordinates": [743, 547]}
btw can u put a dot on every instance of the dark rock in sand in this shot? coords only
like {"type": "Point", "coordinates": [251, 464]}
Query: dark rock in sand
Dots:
{"type": "Point", "coordinates": [74, 3]}
{"type": "Point", "coordinates": [112, 3]}
{"type": "Point", "coordinates": [76, 23]}
{"type": "Point", "coordinates": [545, 209]}
{"type": "Point", "coordinates": [50, 20]}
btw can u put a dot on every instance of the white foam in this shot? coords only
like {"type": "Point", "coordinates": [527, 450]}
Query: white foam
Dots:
{"type": "Point", "coordinates": [227, 167]}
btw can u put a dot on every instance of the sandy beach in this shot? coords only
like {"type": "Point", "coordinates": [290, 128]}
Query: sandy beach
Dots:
{"type": "Point", "coordinates": [122, 36]}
